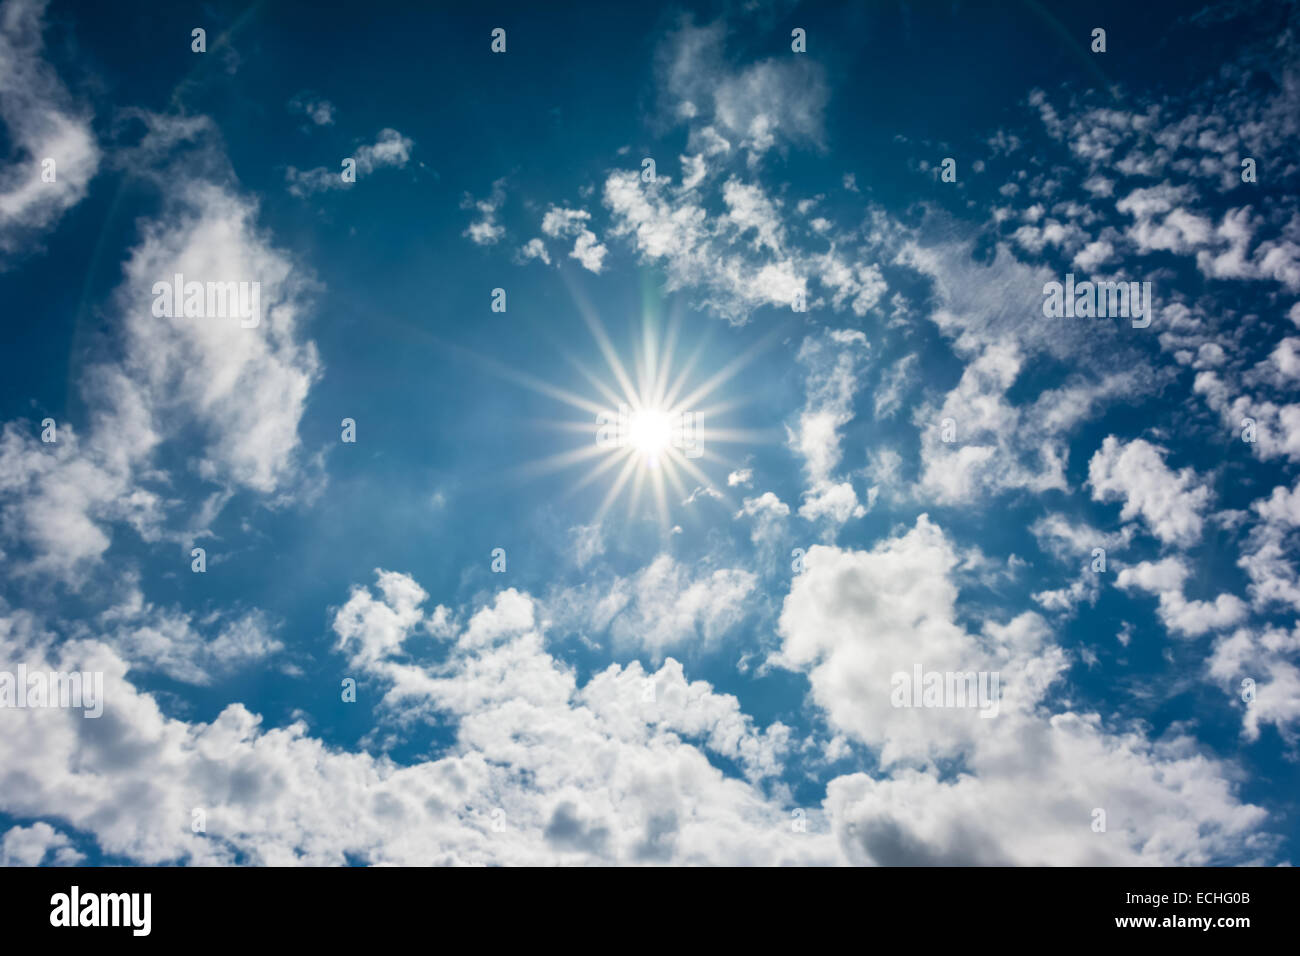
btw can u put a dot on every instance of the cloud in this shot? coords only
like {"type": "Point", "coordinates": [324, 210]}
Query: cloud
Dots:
{"type": "Point", "coordinates": [740, 477]}
{"type": "Point", "coordinates": [316, 108]}
{"type": "Point", "coordinates": [853, 618]}
{"type": "Point", "coordinates": [718, 232]}
{"type": "Point", "coordinates": [237, 391]}
{"type": "Point", "coordinates": [588, 543]}
{"type": "Point", "coordinates": [900, 376]}
{"type": "Point", "coordinates": [486, 231]}
{"type": "Point", "coordinates": [1165, 578]}
{"type": "Point", "coordinates": [1267, 556]}
{"type": "Point", "coordinates": [1073, 543]}
{"type": "Point", "coordinates": [768, 514]}
{"type": "Point", "coordinates": [1068, 540]}
{"type": "Point", "coordinates": [665, 606]}
{"type": "Point", "coordinates": [768, 104]}
{"type": "Point", "coordinates": [541, 771]}
{"type": "Point", "coordinates": [56, 500]}
{"type": "Point", "coordinates": [1267, 657]}
{"type": "Point", "coordinates": [564, 223]}
{"type": "Point", "coordinates": [245, 388]}
{"type": "Point", "coordinates": [675, 232]}
{"type": "Point", "coordinates": [1172, 504]}
{"type": "Point", "coordinates": [172, 642]}
{"type": "Point", "coordinates": [390, 149]}
{"type": "Point", "coordinates": [38, 844]}
{"type": "Point", "coordinates": [1275, 427]}
{"type": "Point", "coordinates": [989, 308]}
{"type": "Point", "coordinates": [534, 249]}
{"type": "Point", "coordinates": [42, 123]}
{"type": "Point", "coordinates": [1161, 221]}
{"type": "Point", "coordinates": [834, 361]}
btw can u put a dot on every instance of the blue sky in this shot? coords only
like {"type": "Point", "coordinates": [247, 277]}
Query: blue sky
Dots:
{"type": "Point", "coordinates": [905, 462]}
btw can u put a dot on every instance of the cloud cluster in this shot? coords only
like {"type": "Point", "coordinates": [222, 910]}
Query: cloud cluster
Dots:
{"type": "Point", "coordinates": [853, 618]}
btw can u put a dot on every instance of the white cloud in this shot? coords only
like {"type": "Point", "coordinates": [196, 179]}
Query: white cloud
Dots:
{"type": "Point", "coordinates": [560, 222]}
{"type": "Point", "coordinates": [1162, 223]}
{"type": "Point", "coordinates": [316, 108]}
{"type": "Point", "coordinates": [834, 363]}
{"type": "Point", "coordinates": [676, 232]}
{"type": "Point", "coordinates": [768, 514]}
{"type": "Point", "coordinates": [1069, 540]}
{"type": "Point", "coordinates": [1073, 543]}
{"type": "Point", "coordinates": [534, 249]}
{"type": "Point", "coordinates": [171, 641]}
{"type": "Point", "coordinates": [1268, 555]}
{"type": "Point", "coordinates": [766, 503]}
{"type": "Point", "coordinates": [239, 390]}
{"type": "Point", "coordinates": [1268, 659]}
{"type": "Point", "coordinates": [739, 259]}
{"type": "Point", "coordinates": [604, 772]}
{"type": "Point", "coordinates": [390, 149]}
{"type": "Point", "coordinates": [1276, 427]}
{"type": "Point", "coordinates": [1094, 254]}
{"type": "Point", "coordinates": [900, 376]}
{"type": "Point", "coordinates": [990, 309]}
{"type": "Point", "coordinates": [1166, 578]}
{"type": "Point", "coordinates": [767, 104]}
{"type": "Point", "coordinates": [1171, 503]}
{"type": "Point", "coordinates": [668, 605]}
{"type": "Point", "coordinates": [835, 501]}
{"type": "Point", "coordinates": [855, 617]}
{"type": "Point", "coordinates": [41, 123]}
{"type": "Point", "coordinates": [741, 476]}
{"type": "Point", "coordinates": [38, 844]}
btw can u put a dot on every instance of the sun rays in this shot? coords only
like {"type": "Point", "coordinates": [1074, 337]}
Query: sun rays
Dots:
{"type": "Point", "coordinates": [649, 425]}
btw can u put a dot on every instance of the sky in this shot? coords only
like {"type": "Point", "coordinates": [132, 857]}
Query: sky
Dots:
{"type": "Point", "coordinates": [631, 416]}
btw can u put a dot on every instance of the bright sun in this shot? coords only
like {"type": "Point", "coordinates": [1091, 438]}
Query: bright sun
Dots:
{"type": "Point", "coordinates": [651, 430]}
{"type": "Point", "coordinates": [650, 433]}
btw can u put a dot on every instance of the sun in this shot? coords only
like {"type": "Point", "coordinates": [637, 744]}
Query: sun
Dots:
{"type": "Point", "coordinates": [650, 433]}
{"type": "Point", "coordinates": [648, 427]}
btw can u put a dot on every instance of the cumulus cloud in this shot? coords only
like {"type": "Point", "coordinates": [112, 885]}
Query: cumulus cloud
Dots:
{"type": "Point", "coordinates": [37, 845]}
{"type": "Point", "coordinates": [1171, 503]}
{"type": "Point", "coordinates": [613, 770]}
{"type": "Point", "coordinates": [853, 618]}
